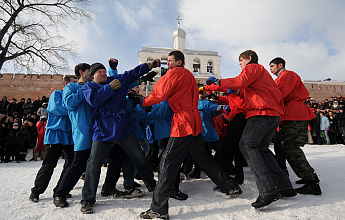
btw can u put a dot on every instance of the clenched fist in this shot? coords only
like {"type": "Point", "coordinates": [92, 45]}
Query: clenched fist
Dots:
{"type": "Point", "coordinates": [115, 84]}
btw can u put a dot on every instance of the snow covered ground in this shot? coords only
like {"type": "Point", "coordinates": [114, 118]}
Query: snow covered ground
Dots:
{"type": "Point", "coordinates": [328, 160]}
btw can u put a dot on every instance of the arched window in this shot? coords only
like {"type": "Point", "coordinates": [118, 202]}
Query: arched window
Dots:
{"type": "Point", "coordinates": [209, 67]}
{"type": "Point", "coordinates": [196, 66]}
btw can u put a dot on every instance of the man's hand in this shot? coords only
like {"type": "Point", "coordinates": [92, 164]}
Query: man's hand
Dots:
{"type": "Point", "coordinates": [147, 77]}
{"type": "Point", "coordinates": [113, 63]}
{"type": "Point", "coordinates": [153, 64]}
{"type": "Point", "coordinates": [115, 84]}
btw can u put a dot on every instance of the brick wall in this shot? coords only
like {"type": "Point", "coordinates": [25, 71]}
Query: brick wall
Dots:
{"type": "Point", "coordinates": [28, 86]}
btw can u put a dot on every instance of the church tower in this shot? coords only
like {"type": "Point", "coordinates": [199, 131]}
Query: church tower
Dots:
{"type": "Point", "coordinates": [179, 36]}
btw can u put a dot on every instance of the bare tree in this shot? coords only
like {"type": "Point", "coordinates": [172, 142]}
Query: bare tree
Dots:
{"type": "Point", "coordinates": [30, 33]}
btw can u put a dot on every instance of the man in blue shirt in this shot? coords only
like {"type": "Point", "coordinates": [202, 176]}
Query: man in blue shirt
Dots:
{"type": "Point", "coordinates": [58, 139]}
{"type": "Point", "coordinates": [112, 124]}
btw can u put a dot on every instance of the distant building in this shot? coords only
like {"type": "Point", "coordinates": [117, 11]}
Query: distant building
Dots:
{"type": "Point", "coordinates": [202, 64]}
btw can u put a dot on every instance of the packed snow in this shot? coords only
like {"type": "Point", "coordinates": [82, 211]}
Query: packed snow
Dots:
{"type": "Point", "coordinates": [203, 203]}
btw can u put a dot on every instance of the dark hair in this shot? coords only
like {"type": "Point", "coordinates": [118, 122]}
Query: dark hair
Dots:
{"type": "Point", "coordinates": [178, 56]}
{"type": "Point", "coordinates": [81, 66]}
{"type": "Point", "coordinates": [249, 53]}
{"type": "Point", "coordinates": [68, 78]}
{"type": "Point", "coordinates": [278, 60]}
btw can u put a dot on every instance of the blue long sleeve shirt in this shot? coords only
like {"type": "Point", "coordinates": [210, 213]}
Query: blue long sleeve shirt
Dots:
{"type": "Point", "coordinates": [207, 111]}
{"type": "Point", "coordinates": [58, 128]}
{"type": "Point", "coordinates": [80, 114]}
{"type": "Point", "coordinates": [111, 120]}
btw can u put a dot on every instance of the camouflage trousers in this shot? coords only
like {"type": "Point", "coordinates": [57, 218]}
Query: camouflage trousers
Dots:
{"type": "Point", "coordinates": [293, 136]}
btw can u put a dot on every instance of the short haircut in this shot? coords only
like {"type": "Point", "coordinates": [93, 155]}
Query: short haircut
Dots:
{"type": "Point", "coordinates": [81, 66]}
{"type": "Point", "coordinates": [249, 53]}
{"type": "Point", "coordinates": [278, 60]}
{"type": "Point", "coordinates": [178, 56]}
{"type": "Point", "coordinates": [68, 79]}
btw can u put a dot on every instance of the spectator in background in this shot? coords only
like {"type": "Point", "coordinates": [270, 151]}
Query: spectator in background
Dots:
{"type": "Point", "coordinates": [12, 107]}
{"type": "Point", "coordinates": [341, 123]}
{"type": "Point", "coordinates": [20, 107]}
{"type": "Point", "coordinates": [36, 104]}
{"type": "Point", "coordinates": [41, 128]}
{"type": "Point", "coordinates": [29, 131]}
{"type": "Point", "coordinates": [43, 110]}
{"type": "Point", "coordinates": [3, 105]}
{"type": "Point", "coordinates": [14, 139]}
{"type": "Point", "coordinates": [333, 130]}
{"type": "Point", "coordinates": [324, 128]}
{"type": "Point", "coordinates": [27, 108]}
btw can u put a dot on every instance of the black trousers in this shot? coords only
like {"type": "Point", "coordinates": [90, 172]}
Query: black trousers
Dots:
{"type": "Point", "coordinates": [230, 148]}
{"type": "Point", "coordinates": [51, 158]}
{"type": "Point", "coordinates": [73, 173]}
{"type": "Point", "coordinates": [170, 164]}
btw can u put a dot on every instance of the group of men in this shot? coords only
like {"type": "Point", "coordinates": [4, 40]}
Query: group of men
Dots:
{"type": "Point", "coordinates": [100, 125]}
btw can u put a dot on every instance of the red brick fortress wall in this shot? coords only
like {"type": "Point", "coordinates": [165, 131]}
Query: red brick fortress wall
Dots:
{"type": "Point", "coordinates": [324, 91]}
{"type": "Point", "coordinates": [28, 86]}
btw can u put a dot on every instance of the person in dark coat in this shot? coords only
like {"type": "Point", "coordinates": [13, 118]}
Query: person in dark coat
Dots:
{"type": "Point", "coordinates": [14, 140]}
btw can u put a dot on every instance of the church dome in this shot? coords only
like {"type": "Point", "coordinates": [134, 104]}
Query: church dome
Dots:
{"type": "Point", "coordinates": [179, 33]}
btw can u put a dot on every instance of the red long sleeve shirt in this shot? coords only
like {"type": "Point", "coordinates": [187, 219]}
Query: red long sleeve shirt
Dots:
{"type": "Point", "coordinates": [179, 86]}
{"type": "Point", "coordinates": [261, 94]}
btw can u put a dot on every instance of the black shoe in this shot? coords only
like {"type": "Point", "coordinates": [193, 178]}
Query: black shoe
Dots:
{"type": "Point", "coordinates": [178, 195]}
{"type": "Point", "coordinates": [235, 191]}
{"type": "Point", "coordinates": [86, 208]}
{"type": "Point", "coordinates": [149, 214]}
{"type": "Point", "coordinates": [105, 192]}
{"type": "Point", "coordinates": [133, 193]}
{"type": "Point", "coordinates": [34, 197]}
{"type": "Point", "coordinates": [60, 201]}
{"type": "Point", "coordinates": [288, 193]}
{"type": "Point", "coordinates": [134, 185]}
{"type": "Point", "coordinates": [304, 181]}
{"type": "Point", "coordinates": [310, 188]}
{"type": "Point", "coordinates": [265, 200]}
{"type": "Point", "coordinates": [18, 161]}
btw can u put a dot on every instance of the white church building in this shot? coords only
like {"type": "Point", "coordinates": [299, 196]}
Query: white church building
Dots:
{"type": "Point", "coordinates": [202, 64]}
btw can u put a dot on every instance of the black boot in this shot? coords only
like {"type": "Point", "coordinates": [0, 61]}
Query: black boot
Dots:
{"type": "Point", "coordinates": [265, 200]}
{"type": "Point", "coordinates": [60, 201]}
{"type": "Point", "coordinates": [178, 195]}
{"type": "Point", "coordinates": [34, 197]}
{"type": "Point", "coordinates": [304, 181]}
{"type": "Point", "coordinates": [310, 188]}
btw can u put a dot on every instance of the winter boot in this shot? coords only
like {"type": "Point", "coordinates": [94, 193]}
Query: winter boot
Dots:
{"type": "Point", "coordinates": [86, 208]}
{"type": "Point", "coordinates": [265, 200]}
{"type": "Point", "coordinates": [35, 156]}
{"type": "Point", "coordinates": [310, 188]}
{"type": "Point", "coordinates": [178, 195]}
{"type": "Point", "coordinates": [303, 181]}
{"type": "Point", "coordinates": [34, 197]}
{"type": "Point", "coordinates": [150, 214]}
{"type": "Point", "coordinates": [60, 201]}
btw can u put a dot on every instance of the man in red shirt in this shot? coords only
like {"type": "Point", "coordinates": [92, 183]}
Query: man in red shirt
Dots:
{"type": "Point", "coordinates": [264, 106]}
{"type": "Point", "coordinates": [294, 126]}
{"type": "Point", "coordinates": [179, 86]}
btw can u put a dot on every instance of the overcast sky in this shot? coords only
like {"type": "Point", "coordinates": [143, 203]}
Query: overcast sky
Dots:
{"type": "Point", "coordinates": [308, 34]}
